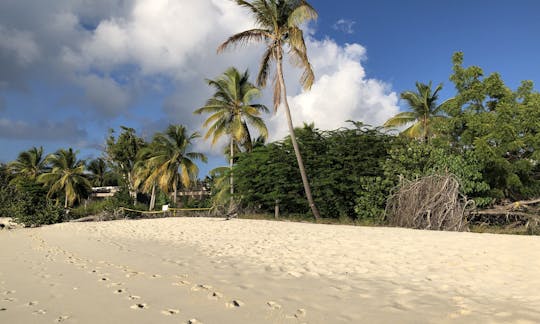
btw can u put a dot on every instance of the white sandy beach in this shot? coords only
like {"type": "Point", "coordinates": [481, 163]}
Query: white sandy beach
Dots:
{"type": "Point", "coordinates": [208, 270]}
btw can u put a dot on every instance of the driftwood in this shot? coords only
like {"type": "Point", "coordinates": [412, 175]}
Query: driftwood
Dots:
{"type": "Point", "coordinates": [433, 202]}
{"type": "Point", "coordinates": [519, 213]}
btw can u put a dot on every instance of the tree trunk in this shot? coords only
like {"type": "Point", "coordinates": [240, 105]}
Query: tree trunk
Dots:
{"type": "Point", "coordinates": [131, 189]}
{"type": "Point", "coordinates": [66, 201]}
{"type": "Point", "coordinates": [153, 198]}
{"type": "Point", "coordinates": [231, 179]}
{"type": "Point", "coordinates": [175, 192]}
{"type": "Point", "coordinates": [305, 181]}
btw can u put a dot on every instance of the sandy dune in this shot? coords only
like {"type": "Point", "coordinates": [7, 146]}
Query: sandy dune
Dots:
{"type": "Point", "coordinates": [203, 270]}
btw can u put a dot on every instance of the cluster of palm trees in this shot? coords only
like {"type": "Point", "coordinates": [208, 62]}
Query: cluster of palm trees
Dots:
{"type": "Point", "coordinates": [167, 160]}
{"type": "Point", "coordinates": [61, 172]}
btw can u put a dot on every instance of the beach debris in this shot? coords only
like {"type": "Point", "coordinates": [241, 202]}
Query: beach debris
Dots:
{"type": "Point", "coordinates": [433, 202]}
{"type": "Point", "coordinates": [3, 309]}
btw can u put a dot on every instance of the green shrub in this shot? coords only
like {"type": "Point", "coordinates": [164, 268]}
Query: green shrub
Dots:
{"type": "Point", "coordinates": [31, 207]}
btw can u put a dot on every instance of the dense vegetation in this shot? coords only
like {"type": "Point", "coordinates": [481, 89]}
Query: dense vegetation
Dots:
{"type": "Point", "coordinates": [486, 136]}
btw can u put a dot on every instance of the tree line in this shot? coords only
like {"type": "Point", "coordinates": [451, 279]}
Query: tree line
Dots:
{"type": "Point", "coordinates": [487, 135]}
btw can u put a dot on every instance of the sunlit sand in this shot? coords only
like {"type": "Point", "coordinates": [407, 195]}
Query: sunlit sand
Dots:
{"type": "Point", "coordinates": [207, 270]}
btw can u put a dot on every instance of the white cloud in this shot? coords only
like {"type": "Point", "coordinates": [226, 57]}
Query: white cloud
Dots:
{"type": "Point", "coordinates": [345, 25]}
{"type": "Point", "coordinates": [113, 50]}
{"type": "Point", "coordinates": [341, 91]}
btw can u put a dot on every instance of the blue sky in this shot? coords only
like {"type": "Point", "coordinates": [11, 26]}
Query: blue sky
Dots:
{"type": "Point", "coordinates": [72, 69]}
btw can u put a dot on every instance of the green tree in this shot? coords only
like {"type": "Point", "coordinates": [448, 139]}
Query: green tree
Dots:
{"type": "Point", "coordinates": [143, 170]}
{"type": "Point", "coordinates": [122, 154]}
{"type": "Point", "coordinates": [279, 22]}
{"type": "Point", "coordinates": [424, 111]}
{"type": "Point", "coordinates": [171, 162]}
{"type": "Point", "coordinates": [232, 111]}
{"type": "Point", "coordinates": [66, 176]}
{"type": "Point", "coordinates": [98, 169]}
{"type": "Point", "coordinates": [29, 164]}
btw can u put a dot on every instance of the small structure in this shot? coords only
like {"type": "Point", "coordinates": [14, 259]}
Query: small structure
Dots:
{"type": "Point", "coordinates": [104, 192]}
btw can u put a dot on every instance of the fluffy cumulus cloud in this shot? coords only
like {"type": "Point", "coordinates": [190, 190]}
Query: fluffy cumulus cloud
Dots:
{"type": "Point", "coordinates": [118, 54]}
{"type": "Point", "coordinates": [341, 91]}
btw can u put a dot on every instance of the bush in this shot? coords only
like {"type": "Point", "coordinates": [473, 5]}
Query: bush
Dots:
{"type": "Point", "coordinates": [31, 207]}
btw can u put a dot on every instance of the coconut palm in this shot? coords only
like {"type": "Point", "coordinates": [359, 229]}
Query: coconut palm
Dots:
{"type": "Point", "coordinates": [29, 164]}
{"type": "Point", "coordinates": [66, 176]}
{"type": "Point", "coordinates": [143, 170]}
{"type": "Point", "coordinates": [231, 111]}
{"type": "Point", "coordinates": [171, 162]}
{"type": "Point", "coordinates": [98, 169]}
{"type": "Point", "coordinates": [424, 111]}
{"type": "Point", "coordinates": [278, 27]}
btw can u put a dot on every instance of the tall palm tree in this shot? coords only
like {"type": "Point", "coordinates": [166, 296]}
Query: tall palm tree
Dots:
{"type": "Point", "coordinates": [278, 27]}
{"type": "Point", "coordinates": [171, 162]}
{"type": "Point", "coordinates": [231, 111]}
{"type": "Point", "coordinates": [67, 176]}
{"type": "Point", "coordinates": [424, 110]}
{"type": "Point", "coordinates": [29, 164]}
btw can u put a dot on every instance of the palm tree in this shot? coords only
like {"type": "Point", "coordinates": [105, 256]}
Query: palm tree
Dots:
{"type": "Point", "coordinates": [278, 27]}
{"type": "Point", "coordinates": [171, 162]}
{"type": "Point", "coordinates": [29, 164]}
{"type": "Point", "coordinates": [67, 176]}
{"type": "Point", "coordinates": [143, 170]}
{"type": "Point", "coordinates": [231, 111]}
{"type": "Point", "coordinates": [424, 111]}
{"type": "Point", "coordinates": [98, 168]}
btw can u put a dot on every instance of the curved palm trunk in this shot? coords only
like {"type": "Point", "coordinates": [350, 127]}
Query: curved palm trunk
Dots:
{"type": "Point", "coordinates": [231, 180]}
{"type": "Point", "coordinates": [66, 202]}
{"type": "Point", "coordinates": [305, 181]}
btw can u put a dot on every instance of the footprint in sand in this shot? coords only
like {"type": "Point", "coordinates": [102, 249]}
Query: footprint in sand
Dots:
{"type": "Point", "coordinates": [9, 292]}
{"type": "Point", "coordinates": [61, 318]}
{"type": "Point", "coordinates": [300, 313]}
{"type": "Point", "coordinates": [114, 284]}
{"type": "Point", "coordinates": [273, 305]}
{"type": "Point", "coordinates": [215, 295]}
{"type": "Point", "coordinates": [3, 309]}
{"type": "Point", "coordinates": [32, 303]}
{"type": "Point", "coordinates": [104, 279]}
{"type": "Point", "coordinates": [119, 291]}
{"type": "Point", "coordinates": [181, 283]}
{"type": "Point", "coordinates": [155, 276]}
{"type": "Point", "coordinates": [10, 299]}
{"type": "Point", "coordinates": [39, 312]}
{"type": "Point", "coordinates": [234, 304]}
{"type": "Point", "coordinates": [194, 321]}
{"type": "Point", "coordinates": [201, 287]}
{"type": "Point", "coordinates": [134, 297]}
{"type": "Point", "coordinates": [170, 311]}
{"type": "Point", "coordinates": [139, 306]}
